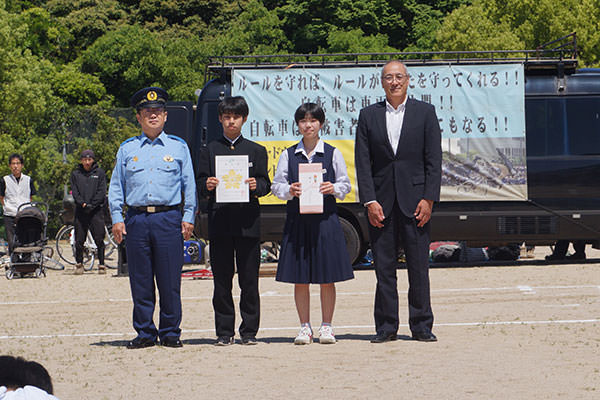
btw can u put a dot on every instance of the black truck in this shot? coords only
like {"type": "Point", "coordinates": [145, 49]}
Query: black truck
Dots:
{"type": "Point", "coordinates": [562, 130]}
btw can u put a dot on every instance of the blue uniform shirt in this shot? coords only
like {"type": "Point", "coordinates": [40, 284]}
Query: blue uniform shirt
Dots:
{"type": "Point", "coordinates": [152, 173]}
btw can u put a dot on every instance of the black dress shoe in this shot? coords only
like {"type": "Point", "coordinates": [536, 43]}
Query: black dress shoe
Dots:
{"type": "Point", "coordinates": [171, 341]}
{"type": "Point", "coordinates": [426, 336]}
{"type": "Point", "coordinates": [576, 256]}
{"type": "Point", "coordinates": [249, 340]}
{"type": "Point", "coordinates": [224, 341]}
{"type": "Point", "coordinates": [384, 337]}
{"type": "Point", "coordinates": [140, 343]}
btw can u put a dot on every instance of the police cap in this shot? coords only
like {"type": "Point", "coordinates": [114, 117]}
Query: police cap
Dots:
{"type": "Point", "coordinates": [149, 97]}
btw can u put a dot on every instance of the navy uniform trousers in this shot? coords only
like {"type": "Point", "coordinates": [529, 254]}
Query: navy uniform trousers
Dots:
{"type": "Point", "coordinates": [155, 249]}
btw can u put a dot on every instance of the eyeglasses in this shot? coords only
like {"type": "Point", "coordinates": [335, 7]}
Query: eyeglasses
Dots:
{"type": "Point", "coordinates": [389, 78]}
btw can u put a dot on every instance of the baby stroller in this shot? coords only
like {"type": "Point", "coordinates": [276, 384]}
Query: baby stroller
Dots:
{"type": "Point", "coordinates": [29, 241]}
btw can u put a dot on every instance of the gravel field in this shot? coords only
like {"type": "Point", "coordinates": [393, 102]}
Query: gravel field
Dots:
{"type": "Point", "coordinates": [516, 332]}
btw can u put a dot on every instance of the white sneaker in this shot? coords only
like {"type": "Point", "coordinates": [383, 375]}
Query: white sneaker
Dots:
{"type": "Point", "coordinates": [326, 335]}
{"type": "Point", "coordinates": [305, 336]}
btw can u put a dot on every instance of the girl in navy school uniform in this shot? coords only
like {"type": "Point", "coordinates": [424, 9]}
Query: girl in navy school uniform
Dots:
{"type": "Point", "coordinates": [313, 249]}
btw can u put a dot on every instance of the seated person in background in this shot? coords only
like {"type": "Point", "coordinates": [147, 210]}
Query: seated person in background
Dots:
{"type": "Point", "coordinates": [561, 247]}
{"type": "Point", "coordinates": [24, 380]}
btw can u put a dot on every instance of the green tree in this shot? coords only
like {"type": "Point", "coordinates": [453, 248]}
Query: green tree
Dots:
{"type": "Point", "coordinates": [76, 87]}
{"type": "Point", "coordinates": [110, 132]}
{"type": "Point", "coordinates": [183, 68]}
{"type": "Point", "coordinates": [254, 30]}
{"type": "Point", "coordinates": [518, 25]}
{"type": "Point", "coordinates": [125, 60]}
{"type": "Point", "coordinates": [86, 21]}
{"type": "Point", "coordinates": [181, 16]}
{"type": "Point", "coordinates": [424, 18]}
{"type": "Point", "coordinates": [44, 35]}
{"type": "Point", "coordinates": [355, 41]}
{"type": "Point", "coordinates": [16, 6]}
{"type": "Point", "coordinates": [308, 23]}
{"type": "Point", "coordinates": [459, 33]}
{"type": "Point", "coordinates": [27, 103]}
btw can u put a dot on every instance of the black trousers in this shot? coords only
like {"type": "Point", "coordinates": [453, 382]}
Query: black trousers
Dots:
{"type": "Point", "coordinates": [247, 258]}
{"type": "Point", "coordinates": [94, 221]}
{"type": "Point", "coordinates": [9, 226]}
{"type": "Point", "coordinates": [399, 230]}
{"type": "Point", "coordinates": [561, 247]}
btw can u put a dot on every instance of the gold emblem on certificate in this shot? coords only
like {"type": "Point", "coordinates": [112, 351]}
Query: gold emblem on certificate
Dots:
{"type": "Point", "coordinates": [232, 180]}
{"type": "Point", "coordinates": [232, 172]}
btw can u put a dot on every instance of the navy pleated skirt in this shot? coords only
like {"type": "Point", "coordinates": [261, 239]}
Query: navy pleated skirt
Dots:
{"type": "Point", "coordinates": [313, 250]}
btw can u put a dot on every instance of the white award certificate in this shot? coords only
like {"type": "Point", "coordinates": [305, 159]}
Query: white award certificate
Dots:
{"type": "Point", "coordinates": [311, 177]}
{"type": "Point", "coordinates": [232, 172]}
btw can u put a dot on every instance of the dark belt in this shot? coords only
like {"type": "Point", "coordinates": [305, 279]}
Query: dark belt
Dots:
{"type": "Point", "coordinates": [155, 209]}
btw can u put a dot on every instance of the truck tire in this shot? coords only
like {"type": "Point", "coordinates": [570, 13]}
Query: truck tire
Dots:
{"type": "Point", "coordinates": [353, 242]}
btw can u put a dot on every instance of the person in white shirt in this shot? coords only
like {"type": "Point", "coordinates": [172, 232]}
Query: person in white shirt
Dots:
{"type": "Point", "coordinates": [15, 190]}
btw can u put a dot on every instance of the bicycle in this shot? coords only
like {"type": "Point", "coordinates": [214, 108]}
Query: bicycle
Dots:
{"type": "Point", "coordinates": [49, 261]}
{"type": "Point", "coordinates": [65, 246]}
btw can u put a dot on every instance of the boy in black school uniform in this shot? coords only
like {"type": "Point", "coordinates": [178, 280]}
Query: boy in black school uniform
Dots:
{"type": "Point", "coordinates": [234, 228]}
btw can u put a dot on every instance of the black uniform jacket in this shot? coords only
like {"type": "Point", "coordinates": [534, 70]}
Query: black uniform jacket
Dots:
{"type": "Point", "coordinates": [89, 187]}
{"type": "Point", "coordinates": [233, 219]}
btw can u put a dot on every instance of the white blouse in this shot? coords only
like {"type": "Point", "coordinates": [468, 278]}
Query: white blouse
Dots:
{"type": "Point", "coordinates": [281, 188]}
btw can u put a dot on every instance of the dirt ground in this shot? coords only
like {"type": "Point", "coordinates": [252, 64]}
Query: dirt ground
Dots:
{"type": "Point", "coordinates": [530, 331]}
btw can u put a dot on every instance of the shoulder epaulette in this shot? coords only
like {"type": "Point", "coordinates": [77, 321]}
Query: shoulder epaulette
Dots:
{"type": "Point", "coordinates": [175, 137]}
{"type": "Point", "coordinates": [128, 140]}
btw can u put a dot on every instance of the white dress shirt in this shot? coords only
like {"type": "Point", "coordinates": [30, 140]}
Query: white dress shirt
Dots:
{"type": "Point", "coordinates": [394, 117]}
{"type": "Point", "coordinates": [281, 188]}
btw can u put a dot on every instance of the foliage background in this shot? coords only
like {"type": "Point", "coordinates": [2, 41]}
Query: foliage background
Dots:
{"type": "Point", "coordinates": [68, 67]}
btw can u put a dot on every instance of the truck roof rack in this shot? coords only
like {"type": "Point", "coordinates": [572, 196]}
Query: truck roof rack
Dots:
{"type": "Point", "coordinates": [561, 51]}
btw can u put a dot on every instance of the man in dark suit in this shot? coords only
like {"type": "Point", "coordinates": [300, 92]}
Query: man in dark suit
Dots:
{"type": "Point", "coordinates": [398, 165]}
{"type": "Point", "coordinates": [234, 228]}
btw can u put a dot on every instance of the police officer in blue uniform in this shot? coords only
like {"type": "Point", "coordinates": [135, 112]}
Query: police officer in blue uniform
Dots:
{"type": "Point", "coordinates": [154, 179]}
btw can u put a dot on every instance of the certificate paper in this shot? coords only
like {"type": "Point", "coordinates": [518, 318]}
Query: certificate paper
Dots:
{"type": "Point", "coordinates": [232, 172]}
{"type": "Point", "coordinates": [311, 177]}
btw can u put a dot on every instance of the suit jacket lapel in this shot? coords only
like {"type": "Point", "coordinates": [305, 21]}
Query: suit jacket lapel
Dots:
{"type": "Point", "coordinates": [382, 126]}
{"type": "Point", "coordinates": [406, 126]}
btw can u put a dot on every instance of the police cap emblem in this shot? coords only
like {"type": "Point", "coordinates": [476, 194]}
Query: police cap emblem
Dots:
{"type": "Point", "coordinates": [149, 97]}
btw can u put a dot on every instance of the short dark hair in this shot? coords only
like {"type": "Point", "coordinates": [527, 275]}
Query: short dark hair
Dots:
{"type": "Point", "coordinates": [312, 109]}
{"type": "Point", "coordinates": [16, 372]}
{"type": "Point", "coordinates": [38, 376]}
{"type": "Point", "coordinates": [234, 105]}
{"type": "Point", "coordinates": [15, 155]}
{"type": "Point", "coordinates": [12, 372]}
